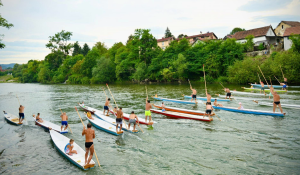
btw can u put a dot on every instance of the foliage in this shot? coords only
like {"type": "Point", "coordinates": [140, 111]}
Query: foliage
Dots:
{"type": "Point", "coordinates": [249, 43]}
{"type": "Point", "coordinates": [59, 42]}
{"type": "Point", "coordinates": [182, 36]}
{"type": "Point", "coordinates": [85, 49]}
{"type": "Point", "coordinates": [296, 42]}
{"type": "Point", "coordinates": [237, 29]}
{"type": "Point", "coordinates": [261, 46]}
{"type": "Point", "coordinates": [3, 23]}
{"type": "Point", "coordinates": [168, 33]}
{"type": "Point", "coordinates": [77, 49]}
{"type": "Point", "coordinates": [180, 65]}
{"type": "Point", "coordinates": [103, 72]}
{"type": "Point", "coordinates": [101, 47]}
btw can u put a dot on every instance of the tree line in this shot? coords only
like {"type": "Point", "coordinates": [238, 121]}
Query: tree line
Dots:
{"type": "Point", "coordinates": [140, 59]}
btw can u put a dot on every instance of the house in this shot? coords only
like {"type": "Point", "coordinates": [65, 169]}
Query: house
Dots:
{"type": "Point", "coordinates": [283, 25]}
{"type": "Point", "coordinates": [227, 36]}
{"type": "Point", "coordinates": [164, 42]}
{"type": "Point", "coordinates": [206, 36]}
{"type": "Point", "coordinates": [0, 68]}
{"type": "Point", "coordinates": [198, 40]}
{"type": "Point", "coordinates": [265, 35]}
{"type": "Point", "coordinates": [287, 33]}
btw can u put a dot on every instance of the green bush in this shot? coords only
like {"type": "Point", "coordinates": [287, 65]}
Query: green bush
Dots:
{"type": "Point", "coordinates": [85, 80]}
{"type": "Point", "coordinates": [261, 46]}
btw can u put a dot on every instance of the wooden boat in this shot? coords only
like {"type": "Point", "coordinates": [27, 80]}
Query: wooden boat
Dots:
{"type": "Point", "coordinates": [247, 93]}
{"type": "Point", "coordinates": [250, 111]}
{"type": "Point", "coordinates": [141, 120]}
{"type": "Point", "coordinates": [12, 119]}
{"type": "Point", "coordinates": [48, 125]}
{"type": "Point", "coordinates": [103, 125]}
{"type": "Point", "coordinates": [282, 105]}
{"type": "Point", "coordinates": [258, 90]}
{"type": "Point", "coordinates": [182, 115]}
{"type": "Point", "coordinates": [60, 141]}
{"type": "Point", "coordinates": [86, 108]}
{"type": "Point", "coordinates": [205, 99]}
{"type": "Point", "coordinates": [186, 111]}
{"type": "Point", "coordinates": [266, 87]}
{"type": "Point", "coordinates": [100, 115]}
{"type": "Point", "coordinates": [174, 100]}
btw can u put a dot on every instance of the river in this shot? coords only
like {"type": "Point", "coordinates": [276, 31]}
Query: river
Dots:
{"type": "Point", "coordinates": [238, 144]}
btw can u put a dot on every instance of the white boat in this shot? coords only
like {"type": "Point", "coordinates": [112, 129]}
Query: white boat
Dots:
{"type": "Point", "coordinates": [282, 105]}
{"type": "Point", "coordinates": [60, 141]}
{"type": "Point", "coordinates": [183, 115]}
{"type": "Point", "coordinates": [48, 125]}
{"type": "Point", "coordinates": [247, 93]}
{"type": "Point", "coordinates": [12, 119]}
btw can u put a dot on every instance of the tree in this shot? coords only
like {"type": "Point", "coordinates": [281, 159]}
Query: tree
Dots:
{"type": "Point", "coordinates": [103, 71]}
{"type": "Point", "coordinates": [59, 42]}
{"type": "Point", "coordinates": [3, 23]}
{"type": "Point", "coordinates": [77, 49]}
{"type": "Point", "coordinates": [180, 65]}
{"type": "Point", "coordinates": [237, 29]}
{"type": "Point", "coordinates": [90, 62]}
{"type": "Point", "coordinates": [101, 47]}
{"type": "Point", "coordinates": [85, 49]}
{"type": "Point", "coordinates": [55, 59]}
{"type": "Point", "coordinates": [296, 42]}
{"type": "Point", "coordinates": [182, 36]}
{"type": "Point", "coordinates": [168, 33]}
{"type": "Point", "coordinates": [249, 43]}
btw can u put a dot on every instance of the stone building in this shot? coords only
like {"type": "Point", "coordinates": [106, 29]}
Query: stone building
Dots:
{"type": "Point", "coordinates": [283, 25]}
{"type": "Point", "coordinates": [287, 42]}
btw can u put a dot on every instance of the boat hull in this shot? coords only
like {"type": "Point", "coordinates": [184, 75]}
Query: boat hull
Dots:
{"type": "Point", "coordinates": [103, 126]}
{"type": "Point", "coordinates": [245, 111]}
{"type": "Point", "coordinates": [182, 115]}
{"type": "Point", "coordinates": [181, 110]}
{"type": "Point", "coordinates": [205, 99]}
{"type": "Point", "coordinates": [126, 117]}
{"type": "Point", "coordinates": [47, 124]}
{"type": "Point", "coordinates": [174, 100]}
{"type": "Point", "coordinates": [266, 87]}
{"type": "Point", "coordinates": [11, 119]}
{"type": "Point", "coordinates": [266, 90]}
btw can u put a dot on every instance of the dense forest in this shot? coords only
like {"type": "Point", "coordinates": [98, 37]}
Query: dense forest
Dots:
{"type": "Point", "coordinates": [140, 59]}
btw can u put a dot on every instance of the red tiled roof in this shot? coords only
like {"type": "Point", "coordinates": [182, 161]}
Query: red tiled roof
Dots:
{"type": "Point", "coordinates": [164, 39]}
{"type": "Point", "coordinates": [292, 30]}
{"type": "Point", "coordinates": [292, 23]}
{"type": "Point", "coordinates": [255, 32]}
{"type": "Point", "coordinates": [201, 35]}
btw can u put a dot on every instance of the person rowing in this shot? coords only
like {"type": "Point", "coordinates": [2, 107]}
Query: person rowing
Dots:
{"type": "Point", "coordinates": [209, 109]}
{"type": "Point", "coordinates": [69, 148]}
{"type": "Point", "coordinates": [21, 113]}
{"type": "Point", "coordinates": [276, 99]}
{"type": "Point", "coordinates": [38, 118]}
{"type": "Point", "coordinates": [132, 120]}
{"type": "Point", "coordinates": [217, 104]}
{"type": "Point", "coordinates": [119, 119]}
{"type": "Point", "coordinates": [89, 144]}
{"type": "Point", "coordinates": [89, 115]}
{"type": "Point", "coordinates": [147, 110]}
{"type": "Point", "coordinates": [106, 106]}
{"type": "Point", "coordinates": [240, 107]}
{"type": "Point", "coordinates": [64, 121]}
{"type": "Point", "coordinates": [228, 93]}
{"type": "Point", "coordinates": [194, 94]}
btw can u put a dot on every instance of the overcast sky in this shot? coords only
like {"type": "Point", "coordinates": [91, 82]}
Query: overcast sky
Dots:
{"type": "Point", "coordinates": [114, 20]}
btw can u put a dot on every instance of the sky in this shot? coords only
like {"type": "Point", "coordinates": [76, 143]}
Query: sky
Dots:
{"type": "Point", "coordinates": [113, 21]}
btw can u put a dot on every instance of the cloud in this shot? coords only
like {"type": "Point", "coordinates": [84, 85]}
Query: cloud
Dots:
{"type": "Point", "coordinates": [264, 5]}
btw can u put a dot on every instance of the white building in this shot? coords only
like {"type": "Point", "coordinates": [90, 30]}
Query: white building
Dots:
{"type": "Point", "coordinates": [287, 42]}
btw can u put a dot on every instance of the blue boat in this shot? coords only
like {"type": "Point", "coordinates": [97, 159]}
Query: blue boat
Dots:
{"type": "Point", "coordinates": [12, 119]}
{"type": "Point", "coordinates": [250, 111]}
{"type": "Point", "coordinates": [266, 87]}
{"type": "Point", "coordinates": [205, 99]}
{"type": "Point", "coordinates": [174, 100]}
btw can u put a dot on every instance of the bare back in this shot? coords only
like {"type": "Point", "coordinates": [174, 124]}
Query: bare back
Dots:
{"type": "Point", "coordinates": [208, 96]}
{"type": "Point", "coordinates": [106, 103]}
{"type": "Point", "coordinates": [89, 135]}
{"type": "Point", "coordinates": [194, 92]}
{"type": "Point", "coordinates": [276, 97]}
{"type": "Point", "coordinates": [119, 114]}
{"type": "Point", "coordinates": [64, 117]}
{"type": "Point", "coordinates": [262, 84]}
{"type": "Point", "coordinates": [208, 107]}
{"type": "Point", "coordinates": [132, 116]}
{"type": "Point", "coordinates": [21, 109]}
{"type": "Point", "coordinates": [227, 90]}
{"type": "Point", "coordinates": [148, 106]}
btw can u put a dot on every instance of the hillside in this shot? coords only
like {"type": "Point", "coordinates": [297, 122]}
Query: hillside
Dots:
{"type": "Point", "coordinates": [5, 66]}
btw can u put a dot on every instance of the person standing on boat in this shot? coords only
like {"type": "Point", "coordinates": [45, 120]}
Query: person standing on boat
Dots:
{"type": "Point", "coordinates": [106, 106]}
{"type": "Point", "coordinates": [147, 110]}
{"type": "Point", "coordinates": [209, 109]}
{"type": "Point", "coordinates": [132, 120]}
{"type": "Point", "coordinates": [285, 81]}
{"type": "Point", "coordinates": [262, 87]}
{"type": "Point", "coordinates": [194, 94]}
{"type": "Point", "coordinates": [119, 119]}
{"type": "Point", "coordinates": [64, 121]}
{"type": "Point", "coordinates": [21, 113]}
{"type": "Point", "coordinates": [208, 97]}
{"type": "Point", "coordinates": [89, 144]}
{"type": "Point", "coordinates": [276, 101]}
{"type": "Point", "coordinates": [240, 107]}
{"type": "Point", "coordinates": [69, 148]}
{"type": "Point", "coordinates": [228, 93]}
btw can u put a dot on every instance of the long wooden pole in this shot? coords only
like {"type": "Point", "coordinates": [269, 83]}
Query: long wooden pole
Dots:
{"type": "Point", "coordinates": [84, 127]}
{"type": "Point", "coordinates": [204, 78]}
{"type": "Point", "coordinates": [116, 104]}
{"type": "Point", "coordinates": [190, 83]}
{"type": "Point", "coordinates": [222, 85]}
{"type": "Point", "coordinates": [281, 71]}
{"type": "Point", "coordinates": [258, 77]}
{"type": "Point", "coordinates": [68, 125]}
{"type": "Point", "coordinates": [263, 75]}
{"type": "Point", "coordinates": [277, 79]}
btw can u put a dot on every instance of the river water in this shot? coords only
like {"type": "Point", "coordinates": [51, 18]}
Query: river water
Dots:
{"type": "Point", "coordinates": [239, 144]}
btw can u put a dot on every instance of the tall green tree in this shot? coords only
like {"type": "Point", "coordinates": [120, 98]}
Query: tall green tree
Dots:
{"type": "Point", "coordinates": [101, 47]}
{"type": "Point", "coordinates": [237, 29]}
{"type": "Point", "coordinates": [103, 71]}
{"type": "Point", "coordinates": [249, 45]}
{"type": "Point", "coordinates": [3, 23]}
{"type": "Point", "coordinates": [59, 42]}
{"type": "Point", "coordinates": [168, 33]}
{"type": "Point", "coordinates": [182, 36]}
{"type": "Point", "coordinates": [77, 49]}
{"type": "Point", "coordinates": [89, 62]}
{"type": "Point", "coordinates": [85, 49]}
{"type": "Point", "coordinates": [296, 42]}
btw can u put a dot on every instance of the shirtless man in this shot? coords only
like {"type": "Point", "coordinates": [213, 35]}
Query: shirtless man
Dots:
{"type": "Point", "coordinates": [119, 119]}
{"type": "Point", "coordinates": [89, 145]}
{"type": "Point", "coordinates": [64, 121]}
{"type": "Point", "coordinates": [276, 101]}
{"type": "Point", "coordinates": [209, 109]}
{"type": "Point", "coordinates": [208, 97]}
{"type": "Point", "coordinates": [21, 114]}
{"type": "Point", "coordinates": [285, 81]}
{"type": "Point", "coordinates": [262, 87]}
{"type": "Point", "coordinates": [106, 106]}
{"type": "Point", "coordinates": [133, 119]}
{"type": "Point", "coordinates": [194, 94]}
{"type": "Point", "coordinates": [228, 93]}
{"type": "Point", "coordinates": [217, 104]}
{"type": "Point", "coordinates": [147, 110]}
{"type": "Point", "coordinates": [37, 118]}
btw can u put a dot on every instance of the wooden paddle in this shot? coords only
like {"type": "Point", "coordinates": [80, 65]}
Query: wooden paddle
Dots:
{"type": "Point", "coordinates": [263, 75]}
{"type": "Point", "coordinates": [204, 79]}
{"type": "Point", "coordinates": [68, 125]}
{"type": "Point", "coordinates": [258, 77]}
{"type": "Point", "coordinates": [106, 95]}
{"type": "Point", "coordinates": [277, 79]}
{"type": "Point", "coordinates": [116, 104]}
{"type": "Point", "coordinates": [84, 127]}
{"type": "Point", "coordinates": [222, 85]}
{"type": "Point", "coordinates": [190, 83]}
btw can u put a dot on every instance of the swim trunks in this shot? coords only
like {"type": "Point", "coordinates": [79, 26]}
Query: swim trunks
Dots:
{"type": "Point", "coordinates": [208, 111]}
{"type": "Point", "coordinates": [270, 94]}
{"type": "Point", "coordinates": [163, 110]}
{"type": "Point", "coordinates": [277, 102]}
{"type": "Point", "coordinates": [21, 115]}
{"type": "Point", "coordinates": [119, 121]}
{"type": "Point", "coordinates": [64, 123]}
{"type": "Point", "coordinates": [88, 144]}
{"type": "Point", "coordinates": [147, 113]}
{"type": "Point", "coordinates": [105, 107]}
{"type": "Point", "coordinates": [284, 86]}
{"type": "Point", "coordinates": [228, 94]}
{"type": "Point", "coordinates": [132, 121]}
{"type": "Point", "coordinates": [194, 96]}
{"type": "Point", "coordinates": [262, 88]}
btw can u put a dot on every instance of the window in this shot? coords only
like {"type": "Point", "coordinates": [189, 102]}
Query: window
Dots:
{"type": "Point", "coordinates": [163, 48]}
{"type": "Point", "coordinates": [162, 43]}
{"type": "Point", "coordinates": [281, 26]}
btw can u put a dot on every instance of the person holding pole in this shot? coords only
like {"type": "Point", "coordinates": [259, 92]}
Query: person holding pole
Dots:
{"type": "Point", "coordinates": [262, 86]}
{"type": "Point", "coordinates": [119, 119]}
{"type": "Point", "coordinates": [106, 106]}
{"type": "Point", "coordinates": [89, 144]}
{"type": "Point", "coordinates": [147, 110]}
{"type": "Point", "coordinates": [21, 113]}
{"type": "Point", "coordinates": [64, 121]}
{"type": "Point", "coordinates": [194, 93]}
{"type": "Point", "coordinates": [133, 119]}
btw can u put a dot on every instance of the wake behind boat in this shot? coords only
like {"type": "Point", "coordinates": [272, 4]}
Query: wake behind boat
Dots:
{"type": "Point", "coordinates": [186, 111]}
{"type": "Point", "coordinates": [48, 125]}
{"type": "Point", "coordinates": [182, 115]}
{"type": "Point", "coordinates": [250, 111]}
{"type": "Point", "coordinates": [205, 99]}
{"type": "Point", "coordinates": [12, 119]}
{"type": "Point", "coordinates": [60, 141]}
{"type": "Point", "coordinates": [174, 100]}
